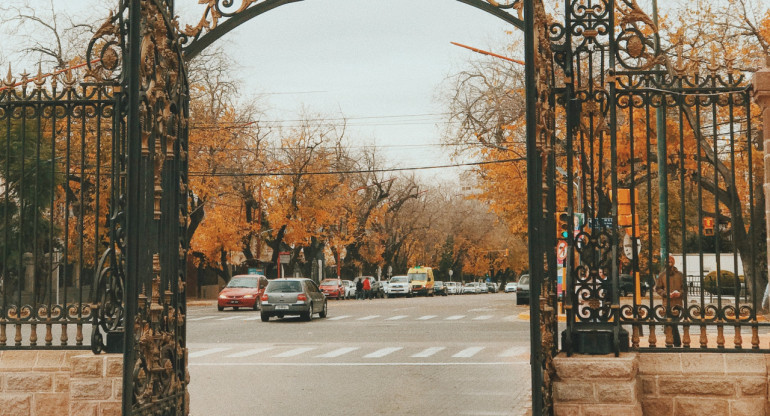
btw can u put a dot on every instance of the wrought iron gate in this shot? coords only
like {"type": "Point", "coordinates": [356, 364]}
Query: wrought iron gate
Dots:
{"type": "Point", "coordinates": [141, 273]}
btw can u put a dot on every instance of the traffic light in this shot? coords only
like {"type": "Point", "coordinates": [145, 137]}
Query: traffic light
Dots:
{"type": "Point", "coordinates": [562, 225]}
{"type": "Point", "coordinates": [708, 226]}
{"type": "Point", "coordinates": [625, 219]}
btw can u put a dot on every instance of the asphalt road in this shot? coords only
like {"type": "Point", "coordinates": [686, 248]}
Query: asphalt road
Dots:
{"type": "Point", "coordinates": [454, 355]}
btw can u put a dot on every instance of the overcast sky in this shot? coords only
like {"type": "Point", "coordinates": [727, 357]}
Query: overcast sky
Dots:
{"type": "Point", "coordinates": [380, 64]}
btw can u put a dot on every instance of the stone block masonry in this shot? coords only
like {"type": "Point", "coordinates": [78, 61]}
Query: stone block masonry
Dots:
{"type": "Point", "coordinates": [42, 383]}
{"type": "Point", "coordinates": [655, 384]}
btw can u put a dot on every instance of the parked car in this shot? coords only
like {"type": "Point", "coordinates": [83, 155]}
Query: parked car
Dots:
{"type": "Point", "coordinates": [482, 288]}
{"type": "Point", "coordinates": [333, 288]}
{"type": "Point", "coordinates": [399, 286]}
{"type": "Point", "coordinates": [452, 288]}
{"type": "Point", "coordinates": [293, 296]}
{"type": "Point", "coordinates": [471, 287]}
{"type": "Point", "coordinates": [627, 285]}
{"type": "Point", "coordinates": [350, 289]}
{"type": "Point", "coordinates": [522, 290]}
{"type": "Point", "coordinates": [510, 287]}
{"type": "Point", "coordinates": [242, 291]}
{"type": "Point", "coordinates": [439, 288]}
{"type": "Point", "coordinates": [491, 287]}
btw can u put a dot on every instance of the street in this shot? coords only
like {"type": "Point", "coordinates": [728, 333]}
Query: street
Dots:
{"type": "Point", "coordinates": [458, 355]}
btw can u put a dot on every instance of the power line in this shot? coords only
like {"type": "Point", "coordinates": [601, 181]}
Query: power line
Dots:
{"type": "Point", "coordinates": [344, 172]}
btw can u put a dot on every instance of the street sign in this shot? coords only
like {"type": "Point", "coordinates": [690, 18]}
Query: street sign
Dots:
{"type": "Point", "coordinates": [284, 257]}
{"type": "Point", "coordinates": [561, 251]}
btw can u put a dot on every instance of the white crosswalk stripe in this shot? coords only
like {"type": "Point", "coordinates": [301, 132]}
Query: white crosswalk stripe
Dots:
{"type": "Point", "coordinates": [468, 352]}
{"type": "Point", "coordinates": [200, 318]}
{"type": "Point", "coordinates": [397, 317]}
{"type": "Point", "coordinates": [338, 352]}
{"type": "Point", "coordinates": [428, 352]}
{"type": "Point", "coordinates": [294, 352]}
{"type": "Point", "coordinates": [207, 352]}
{"type": "Point", "coordinates": [482, 317]}
{"type": "Point", "coordinates": [249, 353]}
{"type": "Point", "coordinates": [366, 318]}
{"type": "Point", "coordinates": [426, 317]}
{"type": "Point", "coordinates": [454, 317]}
{"type": "Point", "coordinates": [512, 352]}
{"type": "Point", "coordinates": [383, 352]}
{"type": "Point", "coordinates": [230, 318]}
{"type": "Point", "coordinates": [337, 318]}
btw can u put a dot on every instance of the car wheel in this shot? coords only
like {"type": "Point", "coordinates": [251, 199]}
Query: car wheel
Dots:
{"type": "Point", "coordinates": [265, 316]}
{"type": "Point", "coordinates": [220, 308]}
{"type": "Point", "coordinates": [324, 311]}
{"type": "Point", "coordinates": [307, 316]}
{"type": "Point", "coordinates": [256, 305]}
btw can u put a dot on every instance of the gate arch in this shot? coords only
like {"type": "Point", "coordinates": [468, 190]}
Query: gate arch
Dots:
{"type": "Point", "coordinates": [143, 53]}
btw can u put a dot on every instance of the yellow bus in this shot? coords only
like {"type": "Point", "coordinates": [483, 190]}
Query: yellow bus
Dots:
{"type": "Point", "coordinates": [421, 280]}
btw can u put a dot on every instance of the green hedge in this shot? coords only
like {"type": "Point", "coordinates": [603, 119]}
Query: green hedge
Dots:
{"type": "Point", "coordinates": [726, 283]}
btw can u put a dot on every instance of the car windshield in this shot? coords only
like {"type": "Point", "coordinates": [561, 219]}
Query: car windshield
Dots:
{"type": "Point", "coordinates": [524, 280]}
{"type": "Point", "coordinates": [244, 282]}
{"type": "Point", "coordinates": [398, 279]}
{"type": "Point", "coordinates": [330, 282]}
{"type": "Point", "coordinates": [418, 276]}
{"type": "Point", "coordinates": [283, 286]}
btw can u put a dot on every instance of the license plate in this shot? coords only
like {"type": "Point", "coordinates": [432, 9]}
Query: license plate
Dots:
{"type": "Point", "coordinates": [233, 301]}
{"type": "Point", "coordinates": [281, 306]}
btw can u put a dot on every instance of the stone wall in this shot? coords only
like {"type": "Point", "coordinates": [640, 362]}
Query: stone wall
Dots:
{"type": "Point", "coordinates": [654, 384]}
{"type": "Point", "coordinates": [38, 383]}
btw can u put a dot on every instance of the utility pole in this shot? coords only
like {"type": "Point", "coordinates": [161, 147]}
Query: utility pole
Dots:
{"type": "Point", "coordinates": [660, 127]}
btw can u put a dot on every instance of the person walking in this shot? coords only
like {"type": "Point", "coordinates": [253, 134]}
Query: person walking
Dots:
{"type": "Point", "coordinates": [367, 289]}
{"type": "Point", "coordinates": [359, 288]}
{"type": "Point", "coordinates": [670, 287]}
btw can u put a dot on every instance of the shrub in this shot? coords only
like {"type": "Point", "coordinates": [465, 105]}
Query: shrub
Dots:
{"type": "Point", "coordinates": [726, 283]}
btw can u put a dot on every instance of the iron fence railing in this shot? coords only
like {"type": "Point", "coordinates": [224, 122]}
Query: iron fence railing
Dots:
{"type": "Point", "coordinates": [56, 165]}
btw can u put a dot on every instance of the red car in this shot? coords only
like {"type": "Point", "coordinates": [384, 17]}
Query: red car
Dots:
{"type": "Point", "coordinates": [333, 288]}
{"type": "Point", "coordinates": [243, 291]}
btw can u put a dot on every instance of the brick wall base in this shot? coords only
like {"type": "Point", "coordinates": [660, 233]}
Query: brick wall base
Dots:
{"type": "Point", "coordinates": [41, 383]}
{"type": "Point", "coordinates": [654, 384]}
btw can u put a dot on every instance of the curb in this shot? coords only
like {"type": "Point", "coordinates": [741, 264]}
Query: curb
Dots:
{"type": "Point", "coordinates": [525, 316]}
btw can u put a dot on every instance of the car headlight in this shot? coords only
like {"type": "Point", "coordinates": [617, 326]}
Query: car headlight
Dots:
{"type": "Point", "coordinates": [222, 296]}
{"type": "Point", "coordinates": [248, 296]}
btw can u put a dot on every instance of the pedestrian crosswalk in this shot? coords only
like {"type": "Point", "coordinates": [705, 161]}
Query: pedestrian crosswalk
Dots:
{"type": "Point", "coordinates": [364, 352]}
{"type": "Point", "coordinates": [374, 318]}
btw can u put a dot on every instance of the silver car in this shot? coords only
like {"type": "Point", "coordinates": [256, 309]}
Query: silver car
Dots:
{"type": "Point", "coordinates": [295, 296]}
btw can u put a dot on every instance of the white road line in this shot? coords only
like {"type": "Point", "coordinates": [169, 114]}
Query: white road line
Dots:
{"type": "Point", "coordinates": [229, 318]}
{"type": "Point", "coordinates": [337, 318]}
{"type": "Point", "coordinates": [249, 353]}
{"type": "Point", "coordinates": [468, 352]}
{"type": "Point", "coordinates": [338, 352]}
{"type": "Point", "coordinates": [454, 317]}
{"type": "Point", "coordinates": [383, 352]}
{"type": "Point", "coordinates": [347, 364]}
{"type": "Point", "coordinates": [512, 352]}
{"type": "Point", "coordinates": [428, 352]}
{"type": "Point", "coordinates": [253, 318]}
{"type": "Point", "coordinates": [397, 317]}
{"type": "Point", "coordinates": [295, 352]}
{"type": "Point", "coordinates": [482, 317]}
{"type": "Point", "coordinates": [366, 318]}
{"type": "Point", "coordinates": [207, 352]}
{"type": "Point", "coordinates": [426, 317]}
{"type": "Point", "coordinates": [200, 318]}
